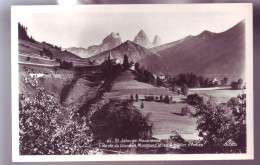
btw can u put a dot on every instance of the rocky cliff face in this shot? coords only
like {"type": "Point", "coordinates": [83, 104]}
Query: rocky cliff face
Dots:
{"type": "Point", "coordinates": [157, 41]}
{"type": "Point", "coordinates": [142, 39]}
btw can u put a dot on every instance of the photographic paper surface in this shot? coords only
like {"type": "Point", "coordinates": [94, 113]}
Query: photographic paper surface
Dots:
{"type": "Point", "coordinates": [132, 82]}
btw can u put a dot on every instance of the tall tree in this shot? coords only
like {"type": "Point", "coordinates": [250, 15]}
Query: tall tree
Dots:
{"type": "Point", "coordinates": [159, 82]}
{"type": "Point", "coordinates": [136, 97]}
{"type": "Point", "coordinates": [137, 66]}
{"type": "Point", "coordinates": [126, 64]}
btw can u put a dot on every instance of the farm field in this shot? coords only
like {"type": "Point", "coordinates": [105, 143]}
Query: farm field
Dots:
{"type": "Point", "coordinates": [125, 85]}
{"type": "Point", "coordinates": [221, 95]}
{"type": "Point", "coordinates": [167, 118]}
{"type": "Point", "coordinates": [32, 50]}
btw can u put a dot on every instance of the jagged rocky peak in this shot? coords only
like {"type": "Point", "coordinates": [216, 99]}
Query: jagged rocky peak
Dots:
{"type": "Point", "coordinates": [141, 36]}
{"type": "Point", "coordinates": [113, 39]}
{"type": "Point", "coordinates": [142, 39]}
{"type": "Point", "coordinates": [115, 35]}
{"type": "Point", "coordinates": [128, 42]}
{"type": "Point", "coordinates": [157, 41]}
{"type": "Point", "coordinates": [141, 33]}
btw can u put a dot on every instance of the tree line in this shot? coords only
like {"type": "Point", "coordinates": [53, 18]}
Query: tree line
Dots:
{"type": "Point", "coordinates": [47, 52]}
{"type": "Point", "coordinates": [194, 81]}
{"type": "Point", "coordinates": [52, 46]}
{"type": "Point", "coordinates": [144, 75]}
{"type": "Point", "coordinates": [22, 33]}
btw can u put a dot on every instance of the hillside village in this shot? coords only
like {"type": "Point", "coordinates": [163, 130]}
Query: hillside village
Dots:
{"type": "Point", "coordinates": [130, 91]}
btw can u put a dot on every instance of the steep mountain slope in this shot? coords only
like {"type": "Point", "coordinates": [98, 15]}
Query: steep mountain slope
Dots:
{"type": "Point", "coordinates": [81, 52]}
{"type": "Point", "coordinates": [157, 41]}
{"type": "Point", "coordinates": [134, 52]}
{"type": "Point", "coordinates": [168, 45]}
{"type": "Point", "coordinates": [209, 54]}
{"type": "Point", "coordinates": [27, 47]}
{"type": "Point", "coordinates": [142, 39]}
{"type": "Point", "coordinates": [109, 42]}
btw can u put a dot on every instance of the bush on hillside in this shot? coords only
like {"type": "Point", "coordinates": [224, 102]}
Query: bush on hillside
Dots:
{"type": "Point", "coordinates": [121, 120]}
{"type": "Point", "coordinates": [166, 99]}
{"type": "Point", "coordinates": [194, 99]}
{"type": "Point", "coordinates": [47, 129]}
{"type": "Point", "coordinates": [217, 124]}
{"type": "Point", "coordinates": [142, 105]}
{"type": "Point", "coordinates": [237, 85]}
{"type": "Point", "coordinates": [136, 97]}
{"type": "Point", "coordinates": [66, 65]}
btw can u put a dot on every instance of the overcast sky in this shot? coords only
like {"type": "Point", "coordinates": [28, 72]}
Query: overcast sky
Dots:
{"type": "Point", "coordinates": [83, 26]}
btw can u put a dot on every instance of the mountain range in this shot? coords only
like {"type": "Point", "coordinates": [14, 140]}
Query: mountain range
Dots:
{"type": "Point", "coordinates": [111, 41]}
{"type": "Point", "coordinates": [142, 39]}
{"type": "Point", "coordinates": [134, 52]}
{"type": "Point", "coordinates": [208, 53]}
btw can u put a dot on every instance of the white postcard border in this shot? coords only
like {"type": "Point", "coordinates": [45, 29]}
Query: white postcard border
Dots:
{"type": "Point", "coordinates": [146, 157]}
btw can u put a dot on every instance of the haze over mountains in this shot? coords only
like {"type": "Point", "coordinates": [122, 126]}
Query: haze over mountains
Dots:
{"type": "Point", "coordinates": [211, 54]}
{"type": "Point", "coordinates": [143, 40]}
{"type": "Point", "coordinates": [134, 52]}
{"type": "Point", "coordinates": [109, 42]}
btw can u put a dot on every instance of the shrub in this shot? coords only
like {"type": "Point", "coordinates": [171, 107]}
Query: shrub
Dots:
{"type": "Point", "coordinates": [161, 98]}
{"type": "Point", "coordinates": [136, 97]}
{"type": "Point", "coordinates": [224, 81]}
{"type": "Point", "coordinates": [66, 65]}
{"type": "Point", "coordinates": [131, 97]}
{"type": "Point", "coordinates": [152, 98]}
{"type": "Point", "coordinates": [121, 120]}
{"type": "Point", "coordinates": [166, 99]}
{"type": "Point", "coordinates": [194, 99]}
{"type": "Point", "coordinates": [237, 85]}
{"type": "Point", "coordinates": [142, 105]}
{"type": "Point", "coordinates": [159, 82]}
{"type": "Point", "coordinates": [219, 123]}
{"type": "Point", "coordinates": [47, 52]}
{"type": "Point", "coordinates": [47, 129]}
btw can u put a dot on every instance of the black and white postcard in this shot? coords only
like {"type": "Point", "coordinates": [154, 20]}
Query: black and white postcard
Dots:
{"type": "Point", "coordinates": [132, 82]}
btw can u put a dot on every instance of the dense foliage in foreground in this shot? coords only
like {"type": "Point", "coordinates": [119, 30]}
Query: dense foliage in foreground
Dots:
{"type": "Point", "coordinates": [46, 128]}
{"type": "Point", "coordinates": [219, 124]}
{"type": "Point", "coordinates": [121, 120]}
